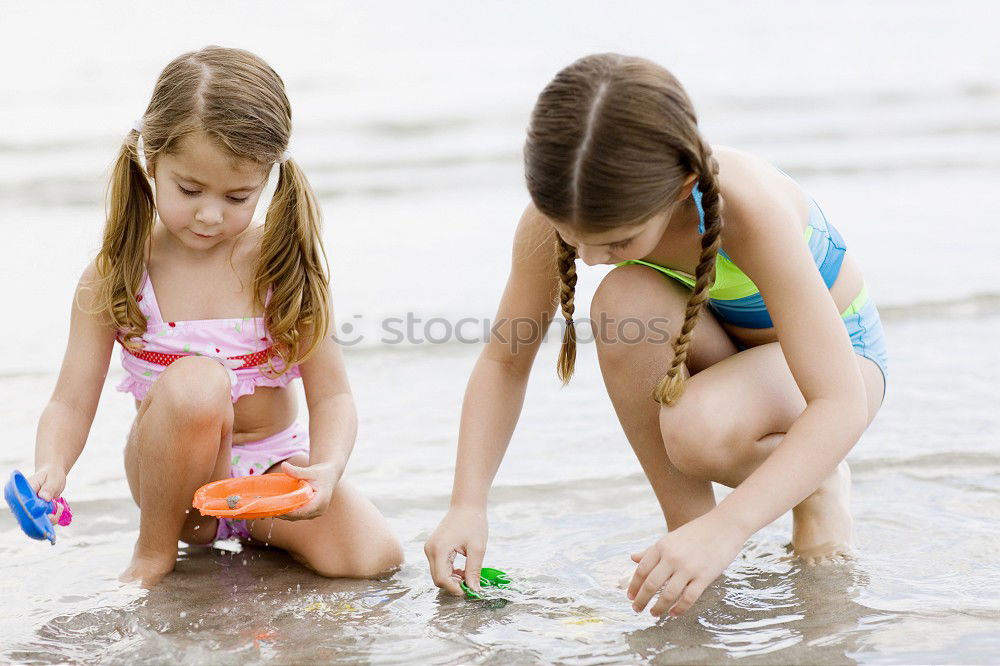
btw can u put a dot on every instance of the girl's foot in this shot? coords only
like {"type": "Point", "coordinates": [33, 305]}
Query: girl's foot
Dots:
{"type": "Point", "coordinates": [148, 569]}
{"type": "Point", "coordinates": [821, 532]}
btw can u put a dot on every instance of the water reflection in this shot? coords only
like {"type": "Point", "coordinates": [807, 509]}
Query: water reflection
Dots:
{"type": "Point", "coordinates": [227, 608]}
{"type": "Point", "coordinates": [766, 604]}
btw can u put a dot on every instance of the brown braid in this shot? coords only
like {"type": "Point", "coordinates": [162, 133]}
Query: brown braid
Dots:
{"type": "Point", "coordinates": [567, 292]}
{"type": "Point", "coordinates": [671, 387]}
{"type": "Point", "coordinates": [611, 142]}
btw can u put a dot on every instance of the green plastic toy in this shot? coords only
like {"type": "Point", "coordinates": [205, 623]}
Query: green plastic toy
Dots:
{"type": "Point", "coordinates": [487, 578]}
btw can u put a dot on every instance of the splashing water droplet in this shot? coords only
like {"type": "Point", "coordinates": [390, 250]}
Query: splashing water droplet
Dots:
{"type": "Point", "coordinates": [269, 529]}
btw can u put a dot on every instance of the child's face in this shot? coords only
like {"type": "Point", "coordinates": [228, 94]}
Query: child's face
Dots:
{"type": "Point", "coordinates": [202, 197]}
{"type": "Point", "coordinates": [615, 245]}
{"type": "Point", "coordinates": [624, 243]}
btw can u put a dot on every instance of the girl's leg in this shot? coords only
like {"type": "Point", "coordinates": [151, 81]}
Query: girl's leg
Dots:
{"type": "Point", "coordinates": [732, 416]}
{"type": "Point", "coordinates": [351, 540]}
{"type": "Point", "coordinates": [180, 440]}
{"type": "Point", "coordinates": [633, 361]}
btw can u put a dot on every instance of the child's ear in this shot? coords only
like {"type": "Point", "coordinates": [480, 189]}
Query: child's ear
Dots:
{"type": "Point", "coordinates": [687, 187]}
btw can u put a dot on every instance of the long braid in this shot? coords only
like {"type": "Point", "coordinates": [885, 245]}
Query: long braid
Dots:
{"type": "Point", "coordinates": [567, 291]}
{"type": "Point", "coordinates": [671, 387]}
{"type": "Point", "coordinates": [610, 142]}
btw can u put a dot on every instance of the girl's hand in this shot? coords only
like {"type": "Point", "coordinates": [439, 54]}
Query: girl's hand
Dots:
{"type": "Point", "coordinates": [323, 478]}
{"type": "Point", "coordinates": [48, 483]}
{"type": "Point", "coordinates": [683, 563]}
{"type": "Point", "coordinates": [462, 531]}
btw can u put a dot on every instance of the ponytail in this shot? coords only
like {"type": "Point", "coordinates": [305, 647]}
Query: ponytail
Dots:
{"type": "Point", "coordinates": [292, 269]}
{"type": "Point", "coordinates": [121, 260]}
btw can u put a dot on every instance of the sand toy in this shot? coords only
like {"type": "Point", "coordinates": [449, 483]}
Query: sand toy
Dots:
{"type": "Point", "coordinates": [31, 511]}
{"type": "Point", "coordinates": [252, 497]}
{"type": "Point", "coordinates": [487, 578]}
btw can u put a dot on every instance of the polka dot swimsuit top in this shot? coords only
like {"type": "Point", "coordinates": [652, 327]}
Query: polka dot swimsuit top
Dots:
{"type": "Point", "coordinates": [240, 345]}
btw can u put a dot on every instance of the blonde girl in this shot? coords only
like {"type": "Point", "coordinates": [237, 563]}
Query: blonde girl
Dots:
{"type": "Point", "coordinates": [215, 317]}
{"type": "Point", "coordinates": [765, 399]}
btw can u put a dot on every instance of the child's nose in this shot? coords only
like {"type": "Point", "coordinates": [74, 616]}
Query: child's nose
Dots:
{"type": "Point", "coordinates": [209, 215]}
{"type": "Point", "coordinates": [591, 255]}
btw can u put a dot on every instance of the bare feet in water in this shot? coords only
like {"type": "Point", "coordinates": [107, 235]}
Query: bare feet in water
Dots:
{"type": "Point", "coordinates": [148, 569]}
{"type": "Point", "coordinates": [821, 532]}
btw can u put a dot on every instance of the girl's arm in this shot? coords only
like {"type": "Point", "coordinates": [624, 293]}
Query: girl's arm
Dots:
{"type": "Point", "coordinates": [493, 398]}
{"type": "Point", "coordinates": [763, 235]}
{"type": "Point", "coordinates": [766, 242]}
{"type": "Point", "coordinates": [66, 419]}
{"type": "Point", "coordinates": [333, 425]}
{"type": "Point", "coordinates": [495, 392]}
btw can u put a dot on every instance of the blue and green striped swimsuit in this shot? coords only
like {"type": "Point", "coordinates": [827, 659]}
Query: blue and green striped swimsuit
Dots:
{"type": "Point", "coordinates": [736, 300]}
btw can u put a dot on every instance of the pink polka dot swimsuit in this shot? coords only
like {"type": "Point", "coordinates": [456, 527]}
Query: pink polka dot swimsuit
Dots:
{"type": "Point", "coordinates": [241, 345]}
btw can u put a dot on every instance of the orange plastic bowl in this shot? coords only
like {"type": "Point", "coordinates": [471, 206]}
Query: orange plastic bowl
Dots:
{"type": "Point", "coordinates": [251, 497]}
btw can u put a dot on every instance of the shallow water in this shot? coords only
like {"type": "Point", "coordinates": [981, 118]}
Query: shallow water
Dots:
{"type": "Point", "coordinates": [924, 587]}
{"type": "Point", "coordinates": [414, 150]}
{"type": "Point", "coordinates": [569, 505]}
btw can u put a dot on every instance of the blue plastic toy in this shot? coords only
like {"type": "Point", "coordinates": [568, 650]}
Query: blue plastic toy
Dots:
{"type": "Point", "coordinates": [31, 511]}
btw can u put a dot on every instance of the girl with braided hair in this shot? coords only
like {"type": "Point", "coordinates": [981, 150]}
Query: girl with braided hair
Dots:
{"type": "Point", "coordinates": [239, 310]}
{"type": "Point", "coordinates": [767, 399]}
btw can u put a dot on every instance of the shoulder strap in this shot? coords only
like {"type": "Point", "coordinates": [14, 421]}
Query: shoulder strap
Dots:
{"type": "Point", "coordinates": [149, 296]}
{"type": "Point", "coordinates": [696, 195]}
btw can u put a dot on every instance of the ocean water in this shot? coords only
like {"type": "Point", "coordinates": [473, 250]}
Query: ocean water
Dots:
{"type": "Point", "coordinates": [409, 122]}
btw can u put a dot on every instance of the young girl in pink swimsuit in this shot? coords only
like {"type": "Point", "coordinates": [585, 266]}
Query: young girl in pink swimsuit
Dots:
{"type": "Point", "coordinates": [215, 317]}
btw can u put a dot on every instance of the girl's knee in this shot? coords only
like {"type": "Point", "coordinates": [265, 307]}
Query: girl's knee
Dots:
{"type": "Point", "coordinates": [634, 305]}
{"type": "Point", "coordinates": [195, 390]}
{"type": "Point", "coordinates": [376, 561]}
{"type": "Point", "coordinates": [368, 561]}
{"type": "Point", "coordinates": [696, 437]}
{"type": "Point", "coordinates": [351, 540]}
{"type": "Point", "coordinates": [631, 289]}
{"type": "Point", "coordinates": [391, 556]}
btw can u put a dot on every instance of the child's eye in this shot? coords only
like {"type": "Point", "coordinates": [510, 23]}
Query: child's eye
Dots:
{"type": "Point", "coordinates": [189, 193]}
{"type": "Point", "coordinates": [620, 245]}
{"type": "Point", "coordinates": [238, 199]}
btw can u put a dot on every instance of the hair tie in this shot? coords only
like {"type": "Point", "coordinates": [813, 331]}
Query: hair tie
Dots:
{"type": "Point", "coordinates": [138, 124]}
{"type": "Point", "coordinates": [285, 156]}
